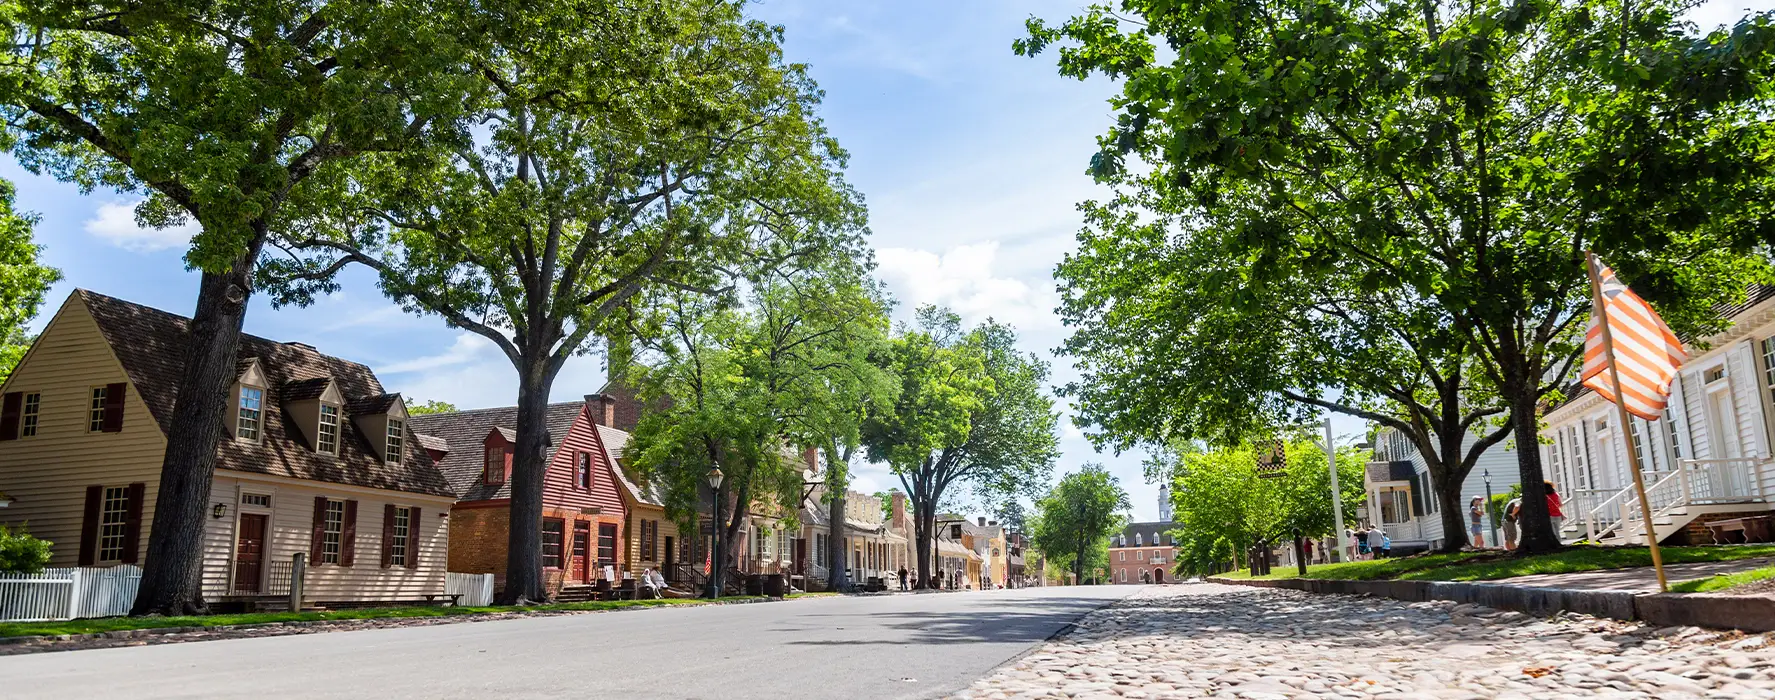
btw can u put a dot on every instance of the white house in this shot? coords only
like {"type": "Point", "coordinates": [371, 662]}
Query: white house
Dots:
{"type": "Point", "coordinates": [1707, 459]}
{"type": "Point", "coordinates": [1401, 494]}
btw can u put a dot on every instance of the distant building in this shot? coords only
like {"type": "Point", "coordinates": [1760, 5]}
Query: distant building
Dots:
{"type": "Point", "coordinates": [1164, 503]}
{"type": "Point", "coordinates": [1143, 553]}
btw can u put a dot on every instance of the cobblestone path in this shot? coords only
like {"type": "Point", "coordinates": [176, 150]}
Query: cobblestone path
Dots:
{"type": "Point", "coordinates": [1208, 640]}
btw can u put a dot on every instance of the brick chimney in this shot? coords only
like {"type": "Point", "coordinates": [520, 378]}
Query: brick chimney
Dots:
{"type": "Point", "coordinates": [982, 521]}
{"type": "Point", "coordinates": [603, 409]}
{"type": "Point", "coordinates": [810, 456]}
{"type": "Point", "coordinates": [899, 510]}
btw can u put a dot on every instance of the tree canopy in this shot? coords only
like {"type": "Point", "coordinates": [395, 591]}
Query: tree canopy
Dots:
{"type": "Point", "coordinates": [23, 280]}
{"type": "Point", "coordinates": [1464, 155]}
{"type": "Point", "coordinates": [1073, 522]}
{"type": "Point", "coordinates": [1223, 507]}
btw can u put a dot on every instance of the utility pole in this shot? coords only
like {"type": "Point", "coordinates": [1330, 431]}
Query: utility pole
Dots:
{"type": "Point", "coordinates": [1337, 501]}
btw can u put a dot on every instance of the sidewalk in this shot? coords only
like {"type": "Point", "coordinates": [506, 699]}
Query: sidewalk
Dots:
{"type": "Point", "coordinates": [1640, 579]}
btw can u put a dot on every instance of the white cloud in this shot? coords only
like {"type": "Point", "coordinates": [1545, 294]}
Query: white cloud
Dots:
{"type": "Point", "coordinates": [115, 223]}
{"type": "Point", "coordinates": [964, 278]}
{"type": "Point", "coordinates": [467, 348]}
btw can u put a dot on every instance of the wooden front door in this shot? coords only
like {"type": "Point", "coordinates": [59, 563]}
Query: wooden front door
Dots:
{"type": "Point", "coordinates": [607, 544]}
{"type": "Point", "coordinates": [582, 542]}
{"type": "Point", "coordinates": [249, 554]}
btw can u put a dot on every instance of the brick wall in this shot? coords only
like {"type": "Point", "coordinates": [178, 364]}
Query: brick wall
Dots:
{"type": "Point", "coordinates": [477, 540]}
{"type": "Point", "coordinates": [1696, 532]}
{"type": "Point", "coordinates": [1137, 560]}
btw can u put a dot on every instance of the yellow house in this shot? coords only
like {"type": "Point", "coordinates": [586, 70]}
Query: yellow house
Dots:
{"type": "Point", "coordinates": [317, 460]}
{"type": "Point", "coordinates": [652, 538]}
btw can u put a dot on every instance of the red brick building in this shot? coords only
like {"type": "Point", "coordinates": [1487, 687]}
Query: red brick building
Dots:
{"type": "Point", "coordinates": [1143, 553]}
{"type": "Point", "coordinates": [584, 513]}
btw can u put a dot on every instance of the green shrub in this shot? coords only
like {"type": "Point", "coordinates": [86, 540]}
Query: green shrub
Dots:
{"type": "Point", "coordinates": [21, 553]}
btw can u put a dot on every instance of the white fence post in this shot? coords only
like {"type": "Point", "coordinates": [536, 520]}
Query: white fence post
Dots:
{"type": "Point", "coordinates": [76, 592]}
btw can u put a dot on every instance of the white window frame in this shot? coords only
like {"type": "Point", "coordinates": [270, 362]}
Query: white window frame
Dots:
{"type": "Point", "coordinates": [95, 414]}
{"type": "Point", "coordinates": [327, 441]}
{"type": "Point", "coordinates": [249, 424]}
{"type": "Point", "coordinates": [333, 533]}
{"type": "Point", "coordinates": [113, 522]}
{"type": "Point", "coordinates": [30, 414]}
{"type": "Point", "coordinates": [397, 548]}
{"type": "Point", "coordinates": [394, 441]}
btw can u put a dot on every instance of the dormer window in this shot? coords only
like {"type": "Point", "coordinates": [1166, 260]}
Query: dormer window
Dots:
{"type": "Point", "coordinates": [252, 411]}
{"type": "Point", "coordinates": [494, 470]}
{"type": "Point", "coordinates": [328, 435]}
{"type": "Point", "coordinates": [396, 440]}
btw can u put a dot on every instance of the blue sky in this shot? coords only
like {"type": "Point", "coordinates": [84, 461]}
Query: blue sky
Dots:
{"type": "Point", "coordinates": [971, 160]}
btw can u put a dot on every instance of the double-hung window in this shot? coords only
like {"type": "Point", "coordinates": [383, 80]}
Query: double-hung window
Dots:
{"type": "Point", "coordinates": [397, 546]}
{"type": "Point", "coordinates": [553, 529]}
{"type": "Point", "coordinates": [252, 410]}
{"type": "Point", "coordinates": [328, 441]}
{"type": "Point", "coordinates": [396, 435]}
{"type": "Point", "coordinates": [95, 414]}
{"type": "Point", "coordinates": [28, 416]}
{"type": "Point", "coordinates": [333, 532]}
{"type": "Point", "coordinates": [113, 523]}
{"type": "Point", "coordinates": [583, 477]}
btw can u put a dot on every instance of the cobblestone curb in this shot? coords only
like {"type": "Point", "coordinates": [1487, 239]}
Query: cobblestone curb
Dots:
{"type": "Point", "coordinates": [10, 646]}
{"type": "Point", "coordinates": [1746, 613]}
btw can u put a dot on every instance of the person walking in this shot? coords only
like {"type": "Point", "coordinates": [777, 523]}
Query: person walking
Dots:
{"type": "Point", "coordinates": [1376, 539]}
{"type": "Point", "coordinates": [1362, 551]}
{"type": "Point", "coordinates": [903, 578]}
{"type": "Point", "coordinates": [1512, 511]}
{"type": "Point", "coordinates": [1555, 514]}
{"type": "Point", "coordinates": [939, 579]}
{"type": "Point", "coordinates": [1475, 515]}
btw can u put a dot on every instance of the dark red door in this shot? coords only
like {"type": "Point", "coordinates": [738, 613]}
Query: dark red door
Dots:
{"type": "Point", "coordinates": [582, 542]}
{"type": "Point", "coordinates": [249, 555]}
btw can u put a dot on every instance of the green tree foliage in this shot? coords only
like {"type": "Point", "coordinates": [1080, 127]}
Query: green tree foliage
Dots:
{"type": "Point", "coordinates": [228, 114]}
{"type": "Point", "coordinates": [744, 387]}
{"type": "Point", "coordinates": [429, 407]}
{"type": "Point", "coordinates": [20, 553]}
{"type": "Point", "coordinates": [23, 281]}
{"type": "Point", "coordinates": [971, 412]}
{"type": "Point", "coordinates": [653, 145]}
{"type": "Point", "coordinates": [1462, 156]}
{"type": "Point", "coordinates": [1223, 508]}
{"type": "Point", "coordinates": [1073, 522]}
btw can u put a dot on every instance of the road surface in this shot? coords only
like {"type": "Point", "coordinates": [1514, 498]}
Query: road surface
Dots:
{"type": "Point", "coordinates": [903, 646]}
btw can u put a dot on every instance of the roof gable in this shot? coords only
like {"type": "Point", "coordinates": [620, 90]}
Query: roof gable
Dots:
{"type": "Point", "coordinates": [151, 345]}
{"type": "Point", "coordinates": [465, 432]}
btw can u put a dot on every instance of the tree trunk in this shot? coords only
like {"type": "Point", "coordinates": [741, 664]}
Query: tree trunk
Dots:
{"type": "Point", "coordinates": [1537, 536]}
{"type": "Point", "coordinates": [1453, 515]}
{"type": "Point", "coordinates": [736, 517]}
{"type": "Point", "coordinates": [523, 555]}
{"type": "Point", "coordinates": [923, 525]}
{"type": "Point", "coordinates": [1450, 473]}
{"type": "Point", "coordinates": [837, 578]}
{"type": "Point", "coordinates": [172, 571]}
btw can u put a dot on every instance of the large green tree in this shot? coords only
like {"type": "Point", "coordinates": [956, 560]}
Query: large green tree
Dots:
{"type": "Point", "coordinates": [1223, 506]}
{"type": "Point", "coordinates": [1073, 522]}
{"type": "Point", "coordinates": [23, 280]}
{"type": "Point", "coordinates": [972, 412]}
{"type": "Point", "coordinates": [649, 145]}
{"type": "Point", "coordinates": [222, 113]}
{"type": "Point", "coordinates": [1465, 154]}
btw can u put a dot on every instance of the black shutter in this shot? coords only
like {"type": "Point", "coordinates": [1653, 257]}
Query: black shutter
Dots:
{"type": "Point", "coordinates": [89, 526]}
{"type": "Point", "coordinates": [413, 538]}
{"type": "Point", "coordinates": [11, 407]}
{"type": "Point", "coordinates": [132, 524]}
{"type": "Point", "coordinates": [1417, 494]}
{"type": "Point", "coordinates": [114, 407]}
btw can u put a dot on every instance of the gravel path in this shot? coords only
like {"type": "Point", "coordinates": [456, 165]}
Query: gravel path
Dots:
{"type": "Point", "coordinates": [1209, 640]}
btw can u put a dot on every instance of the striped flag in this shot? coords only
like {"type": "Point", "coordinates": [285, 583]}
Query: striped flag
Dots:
{"type": "Point", "coordinates": [1645, 351]}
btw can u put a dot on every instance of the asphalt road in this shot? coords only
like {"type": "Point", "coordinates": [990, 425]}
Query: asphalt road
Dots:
{"type": "Point", "coordinates": [903, 646]}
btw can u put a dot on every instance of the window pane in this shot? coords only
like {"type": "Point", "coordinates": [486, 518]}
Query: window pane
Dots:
{"type": "Point", "coordinates": [250, 408]}
{"type": "Point", "coordinates": [96, 412]}
{"type": "Point", "coordinates": [398, 548]}
{"type": "Point", "coordinates": [552, 530]}
{"type": "Point", "coordinates": [334, 533]}
{"type": "Point", "coordinates": [395, 435]}
{"type": "Point", "coordinates": [329, 429]}
{"type": "Point", "coordinates": [113, 520]}
{"type": "Point", "coordinates": [28, 421]}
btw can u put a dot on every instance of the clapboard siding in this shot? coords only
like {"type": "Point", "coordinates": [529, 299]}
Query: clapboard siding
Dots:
{"type": "Point", "coordinates": [47, 475]}
{"type": "Point", "coordinates": [560, 491]}
{"type": "Point", "coordinates": [291, 532]}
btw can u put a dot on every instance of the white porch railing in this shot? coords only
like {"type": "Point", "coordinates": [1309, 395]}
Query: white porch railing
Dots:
{"type": "Point", "coordinates": [68, 593]}
{"type": "Point", "coordinates": [475, 589]}
{"type": "Point", "coordinates": [1694, 482]}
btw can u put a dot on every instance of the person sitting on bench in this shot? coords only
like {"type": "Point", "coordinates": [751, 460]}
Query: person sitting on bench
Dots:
{"type": "Point", "coordinates": [651, 582]}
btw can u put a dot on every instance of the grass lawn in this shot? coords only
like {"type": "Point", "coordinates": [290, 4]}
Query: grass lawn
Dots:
{"type": "Point", "coordinates": [1723, 581]}
{"type": "Point", "coordinates": [1491, 565]}
{"type": "Point", "coordinates": [114, 624]}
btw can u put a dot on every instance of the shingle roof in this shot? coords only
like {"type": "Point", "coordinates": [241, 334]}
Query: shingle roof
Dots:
{"type": "Point", "coordinates": [464, 431]}
{"type": "Point", "coordinates": [151, 345]}
{"type": "Point", "coordinates": [306, 389]}
{"type": "Point", "coordinates": [1148, 531]}
{"type": "Point", "coordinates": [433, 442]}
{"type": "Point", "coordinates": [615, 441]}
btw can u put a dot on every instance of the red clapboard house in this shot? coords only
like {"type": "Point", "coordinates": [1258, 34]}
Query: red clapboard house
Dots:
{"type": "Point", "coordinates": [583, 508]}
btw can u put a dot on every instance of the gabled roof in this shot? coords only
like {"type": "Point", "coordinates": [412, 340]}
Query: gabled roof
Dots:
{"type": "Point", "coordinates": [465, 431]}
{"type": "Point", "coordinates": [615, 441]}
{"type": "Point", "coordinates": [1148, 532]}
{"type": "Point", "coordinates": [433, 442]}
{"type": "Point", "coordinates": [151, 345]}
{"type": "Point", "coordinates": [306, 389]}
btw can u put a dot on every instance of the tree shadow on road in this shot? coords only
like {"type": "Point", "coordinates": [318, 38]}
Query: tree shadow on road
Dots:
{"type": "Point", "coordinates": [1011, 620]}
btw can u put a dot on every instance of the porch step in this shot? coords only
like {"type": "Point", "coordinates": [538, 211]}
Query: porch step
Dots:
{"type": "Point", "coordinates": [576, 594]}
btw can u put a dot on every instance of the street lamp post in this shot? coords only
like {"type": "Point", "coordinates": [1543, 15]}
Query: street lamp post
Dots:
{"type": "Point", "coordinates": [1486, 473]}
{"type": "Point", "coordinates": [1337, 501]}
{"type": "Point", "coordinates": [718, 557]}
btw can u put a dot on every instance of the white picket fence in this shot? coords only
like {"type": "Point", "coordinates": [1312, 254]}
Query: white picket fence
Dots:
{"type": "Point", "coordinates": [475, 589]}
{"type": "Point", "coordinates": [68, 593]}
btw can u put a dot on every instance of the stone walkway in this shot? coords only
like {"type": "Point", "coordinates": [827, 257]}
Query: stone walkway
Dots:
{"type": "Point", "coordinates": [1639, 578]}
{"type": "Point", "coordinates": [1210, 640]}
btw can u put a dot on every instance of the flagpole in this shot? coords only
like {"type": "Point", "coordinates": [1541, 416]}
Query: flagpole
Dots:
{"type": "Point", "coordinates": [1639, 482]}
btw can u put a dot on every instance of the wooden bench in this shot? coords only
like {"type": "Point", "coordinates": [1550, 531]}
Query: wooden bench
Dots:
{"type": "Point", "coordinates": [455, 598]}
{"type": "Point", "coordinates": [1756, 528]}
